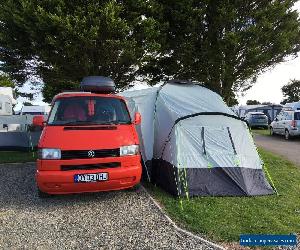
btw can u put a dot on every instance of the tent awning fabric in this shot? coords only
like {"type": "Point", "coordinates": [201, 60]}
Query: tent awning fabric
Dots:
{"type": "Point", "coordinates": [193, 144]}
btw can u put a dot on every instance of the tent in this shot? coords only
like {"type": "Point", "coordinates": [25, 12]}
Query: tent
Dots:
{"type": "Point", "coordinates": [193, 144]}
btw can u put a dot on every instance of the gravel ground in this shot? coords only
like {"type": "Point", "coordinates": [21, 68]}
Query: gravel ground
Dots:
{"type": "Point", "coordinates": [110, 220]}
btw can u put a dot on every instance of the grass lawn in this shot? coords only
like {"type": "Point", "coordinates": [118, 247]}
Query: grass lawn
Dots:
{"type": "Point", "coordinates": [225, 218]}
{"type": "Point", "coordinates": [16, 156]}
{"type": "Point", "coordinates": [261, 131]}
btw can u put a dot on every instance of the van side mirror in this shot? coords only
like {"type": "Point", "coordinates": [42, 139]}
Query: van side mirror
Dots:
{"type": "Point", "coordinates": [137, 118]}
{"type": "Point", "coordinates": [276, 119]}
{"type": "Point", "coordinates": [38, 121]}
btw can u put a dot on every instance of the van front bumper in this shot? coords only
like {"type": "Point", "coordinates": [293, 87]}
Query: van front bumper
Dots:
{"type": "Point", "coordinates": [62, 182]}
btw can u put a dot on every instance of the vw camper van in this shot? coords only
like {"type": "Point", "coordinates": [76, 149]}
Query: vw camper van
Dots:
{"type": "Point", "coordinates": [89, 142]}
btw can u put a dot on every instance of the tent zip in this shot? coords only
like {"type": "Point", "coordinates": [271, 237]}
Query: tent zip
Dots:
{"type": "Point", "coordinates": [232, 143]}
{"type": "Point", "coordinates": [203, 141]}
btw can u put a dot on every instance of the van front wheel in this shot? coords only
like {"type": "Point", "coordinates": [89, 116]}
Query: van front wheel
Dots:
{"type": "Point", "coordinates": [134, 188]}
{"type": "Point", "coordinates": [42, 194]}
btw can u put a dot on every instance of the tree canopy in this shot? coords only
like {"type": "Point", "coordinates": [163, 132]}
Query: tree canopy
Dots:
{"type": "Point", "coordinates": [222, 44]}
{"type": "Point", "coordinates": [291, 91]}
{"type": "Point", "coordinates": [5, 81]}
{"type": "Point", "coordinates": [252, 102]}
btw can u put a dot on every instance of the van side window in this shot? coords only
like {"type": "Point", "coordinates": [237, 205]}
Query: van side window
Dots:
{"type": "Point", "coordinates": [297, 116]}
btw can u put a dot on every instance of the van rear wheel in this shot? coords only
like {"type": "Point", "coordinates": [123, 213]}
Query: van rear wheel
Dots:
{"type": "Point", "coordinates": [271, 131]}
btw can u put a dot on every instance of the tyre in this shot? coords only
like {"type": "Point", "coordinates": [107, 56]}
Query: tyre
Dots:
{"type": "Point", "coordinates": [271, 131]}
{"type": "Point", "coordinates": [42, 194]}
{"type": "Point", "coordinates": [287, 135]}
{"type": "Point", "coordinates": [134, 188]}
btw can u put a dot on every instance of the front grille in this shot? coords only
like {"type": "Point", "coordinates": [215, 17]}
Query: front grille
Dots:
{"type": "Point", "coordinates": [91, 166]}
{"type": "Point", "coordinates": [84, 154]}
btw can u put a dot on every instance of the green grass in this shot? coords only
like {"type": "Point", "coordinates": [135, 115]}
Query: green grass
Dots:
{"type": "Point", "coordinates": [225, 218]}
{"type": "Point", "coordinates": [16, 156]}
{"type": "Point", "coordinates": [261, 131]}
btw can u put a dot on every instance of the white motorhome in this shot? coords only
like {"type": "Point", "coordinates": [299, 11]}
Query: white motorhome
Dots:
{"type": "Point", "coordinates": [5, 105]}
{"type": "Point", "coordinates": [35, 110]}
{"type": "Point", "coordinates": [7, 100]}
{"type": "Point", "coordinates": [292, 105]}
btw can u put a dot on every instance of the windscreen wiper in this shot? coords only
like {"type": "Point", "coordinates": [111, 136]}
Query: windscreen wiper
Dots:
{"type": "Point", "coordinates": [75, 122]}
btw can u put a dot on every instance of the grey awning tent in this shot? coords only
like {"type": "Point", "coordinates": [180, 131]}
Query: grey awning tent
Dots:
{"type": "Point", "coordinates": [193, 144]}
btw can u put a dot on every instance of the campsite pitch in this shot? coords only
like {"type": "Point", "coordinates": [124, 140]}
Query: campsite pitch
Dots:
{"type": "Point", "coordinates": [107, 220]}
{"type": "Point", "coordinates": [225, 218]}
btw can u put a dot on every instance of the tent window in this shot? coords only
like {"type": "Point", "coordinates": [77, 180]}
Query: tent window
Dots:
{"type": "Point", "coordinates": [217, 141]}
{"type": "Point", "coordinates": [232, 143]}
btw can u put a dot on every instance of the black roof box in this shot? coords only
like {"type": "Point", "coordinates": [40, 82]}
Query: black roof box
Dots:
{"type": "Point", "coordinates": [98, 84]}
{"type": "Point", "coordinates": [178, 81]}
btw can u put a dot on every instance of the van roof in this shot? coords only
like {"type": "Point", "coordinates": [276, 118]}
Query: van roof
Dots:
{"type": "Point", "coordinates": [75, 94]}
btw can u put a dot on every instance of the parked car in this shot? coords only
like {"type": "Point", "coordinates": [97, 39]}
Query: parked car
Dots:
{"type": "Point", "coordinates": [89, 142]}
{"type": "Point", "coordinates": [286, 123]}
{"type": "Point", "coordinates": [256, 120]}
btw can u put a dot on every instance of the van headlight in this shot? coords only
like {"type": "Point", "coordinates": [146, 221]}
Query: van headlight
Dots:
{"type": "Point", "coordinates": [129, 150]}
{"type": "Point", "coordinates": [49, 153]}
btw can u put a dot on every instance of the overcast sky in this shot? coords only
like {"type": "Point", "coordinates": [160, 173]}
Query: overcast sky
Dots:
{"type": "Point", "coordinates": [268, 85]}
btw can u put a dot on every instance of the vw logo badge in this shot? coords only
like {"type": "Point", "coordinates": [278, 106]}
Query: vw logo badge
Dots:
{"type": "Point", "coordinates": [91, 154]}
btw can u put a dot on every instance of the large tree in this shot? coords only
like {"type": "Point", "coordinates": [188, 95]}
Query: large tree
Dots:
{"type": "Point", "coordinates": [291, 91]}
{"type": "Point", "coordinates": [222, 44]}
{"type": "Point", "coordinates": [227, 44]}
{"type": "Point", "coordinates": [5, 81]}
{"type": "Point", "coordinates": [252, 102]}
{"type": "Point", "coordinates": [62, 41]}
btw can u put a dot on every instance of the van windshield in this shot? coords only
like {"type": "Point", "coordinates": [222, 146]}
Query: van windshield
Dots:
{"type": "Point", "coordinates": [89, 110]}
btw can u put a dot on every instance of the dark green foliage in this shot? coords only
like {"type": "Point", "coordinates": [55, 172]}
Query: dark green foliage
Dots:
{"type": "Point", "coordinates": [27, 104]}
{"type": "Point", "coordinates": [62, 41]}
{"type": "Point", "coordinates": [226, 44]}
{"type": "Point", "coordinates": [5, 81]}
{"type": "Point", "coordinates": [291, 91]}
{"type": "Point", "coordinates": [252, 102]}
{"type": "Point", "coordinates": [222, 44]}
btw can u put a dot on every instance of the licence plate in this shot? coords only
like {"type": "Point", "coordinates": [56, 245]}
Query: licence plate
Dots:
{"type": "Point", "coordinates": [91, 177]}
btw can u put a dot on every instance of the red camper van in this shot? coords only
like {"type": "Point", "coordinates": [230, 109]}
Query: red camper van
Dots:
{"type": "Point", "coordinates": [89, 142]}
